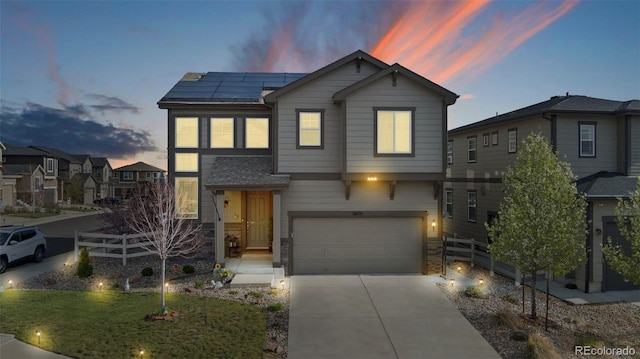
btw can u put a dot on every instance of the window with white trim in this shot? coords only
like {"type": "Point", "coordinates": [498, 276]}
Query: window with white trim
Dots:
{"type": "Point", "coordinates": [186, 162]}
{"type": "Point", "coordinates": [494, 138]}
{"type": "Point", "coordinates": [49, 164]}
{"type": "Point", "coordinates": [222, 134]}
{"type": "Point", "coordinates": [587, 140]}
{"type": "Point", "coordinates": [127, 176]}
{"type": "Point", "coordinates": [394, 132]}
{"type": "Point", "coordinates": [450, 152]}
{"type": "Point", "coordinates": [485, 140]}
{"type": "Point", "coordinates": [513, 140]}
{"type": "Point", "coordinates": [472, 149]}
{"type": "Point", "coordinates": [186, 132]}
{"type": "Point", "coordinates": [472, 206]}
{"type": "Point", "coordinates": [310, 129]}
{"type": "Point", "coordinates": [256, 133]}
{"type": "Point", "coordinates": [186, 197]}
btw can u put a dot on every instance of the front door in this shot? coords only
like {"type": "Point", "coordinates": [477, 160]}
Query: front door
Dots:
{"type": "Point", "coordinates": [258, 218]}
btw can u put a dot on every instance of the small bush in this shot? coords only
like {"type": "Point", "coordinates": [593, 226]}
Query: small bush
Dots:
{"type": "Point", "coordinates": [233, 292]}
{"type": "Point", "coordinates": [188, 269]}
{"type": "Point", "coordinates": [507, 318]}
{"type": "Point", "coordinates": [540, 347]}
{"type": "Point", "coordinates": [519, 336]}
{"type": "Point", "coordinates": [474, 292]}
{"type": "Point", "coordinates": [198, 283]}
{"type": "Point", "coordinates": [511, 299]}
{"type": "Point", "coordinates": [275, 307]}
{"type": "Point", "coordinates": [256, 294]}
{"type": "Point", "coordinates": [147, 272]}
{"type": "Point", "coordinates": [85, 269]}
{"type": "Point", "coordinates": [588, 339]}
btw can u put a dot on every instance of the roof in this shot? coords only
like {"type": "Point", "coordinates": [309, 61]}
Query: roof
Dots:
{"type": "Point", "coordinates": [19, 169]}
{"type": "Point", "coordinates": [449, 96]}
{"type": "Point", "coordinates": [82, 158]}
{"type": "Point", "coordinates": [53, 152]}
{"type": "Point", "coordinates": [139, 167]}
{"type": "Point", "coordinates": [245, 171]}
{"type": "Point", "coordinates": [22, 151]}
{"type": "Point", "coordinates": [227, 87]}
{"type": "Point", "coordinates": [607, 185]}
{"type": "Point", "coordinates": [100, 161]}
{"type": "Point", "coordinates": [84, 177]}
{"type": "Point", "coordinates": [560, 104]}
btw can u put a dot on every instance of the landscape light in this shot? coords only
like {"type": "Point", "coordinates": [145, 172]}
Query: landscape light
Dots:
{"type": "Point", "coordinates": [38, 333]}
{"type": "Point", "coordinates": [282, 283]}
{"type": "Point", "coordinates": [459, 269]}
{"type": "Point", "coordinates": [141, 351]}
{"type": "Point", "coordinates": [10, 284]}
{"type": "Point", "coordinates": [481, 282]}
{"type": "Point", "coordinates": [100, 285]}
{"type": "Point", "coordinates": [433, 225]}
{"type": "Point", "coordinates": [453, 281]}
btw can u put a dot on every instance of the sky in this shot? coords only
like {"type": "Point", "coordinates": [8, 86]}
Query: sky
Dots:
{"type": "Point", "coordinates": [86, 76]}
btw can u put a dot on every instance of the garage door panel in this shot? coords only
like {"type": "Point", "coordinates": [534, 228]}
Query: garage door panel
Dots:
{"type": "Point", "coordinates": [357, 245]}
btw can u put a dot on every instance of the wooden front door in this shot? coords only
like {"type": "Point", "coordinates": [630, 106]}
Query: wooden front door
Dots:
{"type": "Point", "coordinates": [258, 217]}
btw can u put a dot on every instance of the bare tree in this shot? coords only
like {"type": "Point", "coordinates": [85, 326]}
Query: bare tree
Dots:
{"type": "Point", "coordinates": [167, 233]}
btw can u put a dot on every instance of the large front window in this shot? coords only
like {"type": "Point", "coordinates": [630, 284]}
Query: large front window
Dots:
{"type": "Point", "coordinates": [186, 132]}
{"type": "Point", "coordinates": [587, 140]}
{"type": "Point", "coordinates": [394, 132]}
{"type": "Point", "coordinates": [187, 197]}
{"type": "Point", "coordinates": [257, 133]}
{"type": "Point", "coordinates": [222, 133]}
{"type": "Point", "coordinates": [310, 129]}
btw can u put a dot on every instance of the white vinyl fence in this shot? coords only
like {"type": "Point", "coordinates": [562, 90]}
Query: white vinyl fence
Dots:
{"type": "Point", "coordinates": [111, 245]}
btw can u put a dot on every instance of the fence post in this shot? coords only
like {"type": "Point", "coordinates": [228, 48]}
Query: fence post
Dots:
{"type": "Point", "coordinates": [518, 275]}
{"type": "Point", "coordinates": [124, 249]}
{"type": "Point", "coordinates": [473, 252]}
{"type": "Point", "coordinates": [491, 265]}
{"type": "Point", "coordinates": [75, 247]}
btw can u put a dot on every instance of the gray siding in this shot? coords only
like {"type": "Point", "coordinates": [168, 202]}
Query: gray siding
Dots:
{"type": "Point", "coordinates": [365, 196]}
{"type": "Point", "coordinates": [207, 210]}
{"type": "Point", "coordinates": [634, 168]}
{"type": "Point", "coordinates": [316, 95]}
{"type": "Point", "coordinates": [428, 127]}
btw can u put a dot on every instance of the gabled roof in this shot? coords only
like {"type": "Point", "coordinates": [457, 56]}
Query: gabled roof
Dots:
{"type": "Point", "coordinates": [54, 152]}
{"type": "Point", "coordinates": [82, 158]}
{"type": "Point", "coordinates": [607, 185]}
{"type": "Point", "coordinates": [560, 104]}
{"type": "Point", "coordinates": [244, 172]}
{"type": "Point", "coordinates": [84, 177]}
{"type": "Point", "coordinates": [356, 56]}
{"type": "Point", "coordinates": [19, 169]}
{"type": "Point", "coordinates": [100, 162]}
{"type": "Point", "coordinates": [449, 96]}
{"type": "Point", "coordinates": [22, 151]}
{"type": "Point", "coordinates": [2, 146]}
{"type": "Point", "coordinates": [139, 167]}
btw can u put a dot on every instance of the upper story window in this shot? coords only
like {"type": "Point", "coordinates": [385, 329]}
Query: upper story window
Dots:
{"type": "Point", "coordinates": [394, 132]}
{"type": "Point", "coordinates": [116, 175]}
{"type": "Point", "coordinates": [450, 152]}
{"type": "Point", "coordinates": [310, 123]}
{"type": "Point", "coordinates": [49, 164]}
{"type": "Point", "coordinates": [472, 148]}
{"type": "Point", "coordinates": [186, 162]}
{"type": "Point", "coordinates": [448, 198]}
{"type": "Point", "coordinates": [127, 176]}
{"type": "Point", "coordinates": [186, 132]}
{"type": "Point", "coordinates": [494, 138]}
{"type": "Point", "coordinates": [587, 140]}
{"type": "Point", "coordinates": [222, 133]}
{"type": "Point", "coordinates": [485, 140]}
{"type": "Point", "coordinates": [513, 140]}
{"type": "Point", "coordinates": [256, 133]}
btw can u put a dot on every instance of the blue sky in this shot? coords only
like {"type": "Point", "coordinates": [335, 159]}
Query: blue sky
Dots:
{"type": "Point", "coordinates": [86, 76]}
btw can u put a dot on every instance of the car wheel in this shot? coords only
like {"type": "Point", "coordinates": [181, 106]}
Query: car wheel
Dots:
{"type": "Point", "coordinates": [3, 264]}
{"type": "Point", "coordinates": [38, 256]}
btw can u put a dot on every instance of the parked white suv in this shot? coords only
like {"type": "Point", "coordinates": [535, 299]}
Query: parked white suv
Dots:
{"type": "Point", "coordinates": [20, 242]}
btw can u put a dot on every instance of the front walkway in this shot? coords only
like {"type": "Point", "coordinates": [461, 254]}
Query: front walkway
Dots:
{"type": "Point", "coordinates": [363, 316]}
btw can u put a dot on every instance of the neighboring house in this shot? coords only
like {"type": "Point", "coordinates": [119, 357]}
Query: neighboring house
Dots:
{"type": "Point", "coordinates": [34, 156]}
{"type": "Point", "coordinates": [135, 177]}
{"type": "Point", "coordinates": [599, 138]}
{"type": "Point", "coordinates": [102, 172]}
{"type": "Point", "coordinates": [336, 171]}
{"type": "Point", "coordinates": [89, 185]}
{"type": "Point", "coordinates": [67, 165]}
{"type": "Point", "coordinates": [26, 182]}
{"type": "Point", "coordinates": [86, 163]}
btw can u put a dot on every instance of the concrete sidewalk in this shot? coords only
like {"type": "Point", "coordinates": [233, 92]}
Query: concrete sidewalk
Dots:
{"type": "Point", "coordinates": [363, 316]}
{"type": "Point", "coordinates": [12, 348]}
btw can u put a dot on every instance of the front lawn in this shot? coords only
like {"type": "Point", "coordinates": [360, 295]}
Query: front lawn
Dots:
{"type": "Point", "coordinates": [111, 324]}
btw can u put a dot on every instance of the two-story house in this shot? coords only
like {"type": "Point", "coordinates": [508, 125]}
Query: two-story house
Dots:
{"type": "Point", "coordinates": [33, 156]}
{"type": "Point", "coordinates": [102, 172]}
{"type": "Point", "coordinates": [337, 171]}
{"type": "Point", "coordinates": [599, 138]}
{"type": "Point", "coordinates": [135, 177]}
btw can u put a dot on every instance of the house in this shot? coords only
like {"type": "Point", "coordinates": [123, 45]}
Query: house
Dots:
{"type": "Point", "coordinates": [34, 157]}
{"type": "Point", "coordinates": [102, 172]}
{"type": "Point", "coordinates": [86, 163]}
{"type": "Point", "coordinates": [335, 171]}
{"type": "Point", "coordinates": [25, 183]}
{"type": "Point", "coordinates": [88, 185]}
{"type": "Point", "coordinates": [134, 177]}
{"type": "Point", "coordinates": [599, 138]}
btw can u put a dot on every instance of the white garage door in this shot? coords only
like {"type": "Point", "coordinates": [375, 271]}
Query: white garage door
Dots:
{"type": "Point", "coordinates": [357, 245]}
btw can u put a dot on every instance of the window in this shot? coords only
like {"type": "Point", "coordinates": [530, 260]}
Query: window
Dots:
{"type": "Point", "coordinates": [148, 174]}
{"type": "Point", "coordinates": [494, 138]}
{"type": "Point", "coordinates": [127, 176]}
{"type": "Point", "coordinates": [257, 133]}
{"type": "Point", "coordinates": [186, 162]}
{"type": "Point", "coordinates": [187, 132]}
{"type": "Point", "coordinates": [485, 140]}
{"type": "Point", "coordinates": [49, 164]}
{"type": "Point", "coordinates": [448, 198]}
{"type": "Point", "coordinates": [587, 140]}
{"type": "Point", "coordinates": [310, 128]}
{"type": "Point", "coordinates": [222, 133]}
{"type": "Point", "coordinates": [450, 152]}
{"type": "Point", "coordinates": [471, 206]}
{"type": "Point", "coordinates": [513, 140]}
{"type": "Point", "coordinates": [394, 132]}
{"type": "Point", "coordinates": [472, 149]}
{"type": "Point", "coordinates": [187, 197]}
{"type": "Point", "coordinates": [36, 185]}
{"type": "Point", "coordinates": [115, 175]}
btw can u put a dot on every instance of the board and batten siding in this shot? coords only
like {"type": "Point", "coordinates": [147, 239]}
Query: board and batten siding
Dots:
{"type": "Point", "coordinates": [365, 196]}
{"type": "Point", "coordinates": [316, 95]}
{"type": "Point", "coordinates": [428, 127]}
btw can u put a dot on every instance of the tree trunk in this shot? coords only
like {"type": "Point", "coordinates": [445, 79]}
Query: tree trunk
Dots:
{"type": "Point", "coordinates": [533, 295]}
{"type": "Point", "coordinates": [162, 284]}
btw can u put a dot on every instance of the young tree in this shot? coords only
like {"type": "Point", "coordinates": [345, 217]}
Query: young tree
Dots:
{"type": "Point", "coordinates": [541, 223]}
{"type": "Point", "coordinates": [628, 220]}
{"type": "Point", "coordinates": [166, 233]}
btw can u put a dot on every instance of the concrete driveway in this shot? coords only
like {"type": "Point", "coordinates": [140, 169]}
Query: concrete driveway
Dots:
{"type": "Point", "coordinates": [363, 316]}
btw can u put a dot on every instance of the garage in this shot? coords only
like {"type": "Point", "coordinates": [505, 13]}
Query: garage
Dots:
{"type": "Point", "coordinates": [357, 245]}
{"type": "Point", "coordinates": [613, 280]}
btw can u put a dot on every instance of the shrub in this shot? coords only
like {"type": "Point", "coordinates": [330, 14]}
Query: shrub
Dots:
{"type": "Point", "coordinates": [511, 299]}
{"type": "Point", "coordinates": [188, 269]}
{"type": "Point", "coordinates": [233, 292]}
{"type": "Point", "coordinates": [588, 339]}
{"type": "Point", "coordinates": [256, 294]}
{"type": "Point", "coordinates": [198, 283]}
{"type": "Point", "coordinates": [540, 347]}
{"type": "Point", "coordinates": [519, 336]}
{"type": "Point", "coordinates": [147, 272]}
{"type": "Point", "coordinates": [473, 292]}
{"type": "Point", "coordinates": [275, 307]}
{"type": "Point", "coordinates": [507, 318]}
{"type": "Point", "coordinates": [85, 269]}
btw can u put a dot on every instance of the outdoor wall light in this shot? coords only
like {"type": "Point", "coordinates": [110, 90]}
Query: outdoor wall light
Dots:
{"type": "Point", "coordinates": [372, 178]}
{"type": "Point", "coordinates": [38, 333]}
{"type": "Point", "coordinates": [481, 281]}
{"type": "Point", "coordinates": [433, 225]}
{"type": "Point", "coordinates": [282, 283]}
{"type": "Point", "coordinates": [453, 281]}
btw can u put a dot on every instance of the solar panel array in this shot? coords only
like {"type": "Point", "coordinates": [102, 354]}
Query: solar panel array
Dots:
{"type": "Point", "coordinates": [230, 86]}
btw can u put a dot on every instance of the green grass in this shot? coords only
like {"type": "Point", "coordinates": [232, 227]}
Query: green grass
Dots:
{"type": "Point", "coordinates": [111, 324]}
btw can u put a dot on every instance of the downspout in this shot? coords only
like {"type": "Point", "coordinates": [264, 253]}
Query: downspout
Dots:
{"type": "Point", "coordinates": [553, 128]}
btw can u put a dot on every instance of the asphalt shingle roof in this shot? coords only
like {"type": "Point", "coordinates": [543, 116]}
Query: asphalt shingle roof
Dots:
{"type": "Point", "coordinates": [244, 172]}
{"type": "Point", "coordinates": [607, 184]}
{"type": "Point", "coordinates": [18, 169]}
{"type": "Point", "coordinates": [139, 167]}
